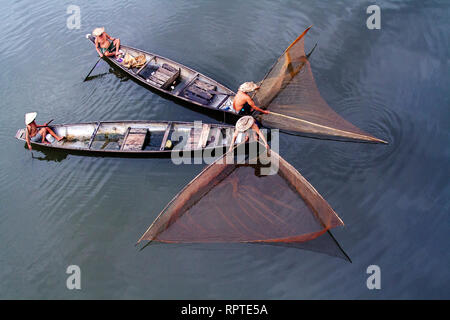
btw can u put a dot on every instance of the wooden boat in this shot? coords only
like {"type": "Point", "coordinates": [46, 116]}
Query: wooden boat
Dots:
{"type": "Point", "coordinates": [288, 92]}
{"type": "Point", "coordinates": [178, 81]}
{"type": "Point", "coordinates": [139, 138]}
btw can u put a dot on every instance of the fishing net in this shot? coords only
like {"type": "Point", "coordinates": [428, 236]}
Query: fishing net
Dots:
{"type": "Point", "coordinates": [290, 93]}
{"type": "Point", "coordinates": [235, 203]}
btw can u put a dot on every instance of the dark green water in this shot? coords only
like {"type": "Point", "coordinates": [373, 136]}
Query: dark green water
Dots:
{"type": "Point", "coordinates": [57, 211]}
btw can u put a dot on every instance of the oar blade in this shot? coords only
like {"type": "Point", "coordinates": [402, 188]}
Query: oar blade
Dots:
{"type": "Point", "coordinates": [92, 69]}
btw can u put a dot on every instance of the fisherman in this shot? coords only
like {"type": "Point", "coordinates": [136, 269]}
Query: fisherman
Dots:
{"type": "Point", "coordinates": [104, 44]}
{"type": "Point", "coordinates": [242, 101]}
{"type": "Point", "coordinates": [37, 133]}
{"type": "Point", "coordinates": [242, 125]}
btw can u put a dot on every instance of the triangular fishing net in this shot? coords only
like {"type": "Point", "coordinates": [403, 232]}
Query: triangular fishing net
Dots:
{"type": "Point", "coordinates": [234, 203]}
{"type": "Point", "coordinates": [290, 93]}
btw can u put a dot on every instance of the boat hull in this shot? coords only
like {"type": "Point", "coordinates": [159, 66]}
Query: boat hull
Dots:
{"type": "Point", "coordinates": [140, 139]}
{"type": "Point", "coordinates": [217, 107]}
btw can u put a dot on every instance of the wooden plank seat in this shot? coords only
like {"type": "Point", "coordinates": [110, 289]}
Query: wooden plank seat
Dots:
{"type": "Point", "coordinates": [91, 141]}
{"type": "Point", "coordinates": [134, 139]}
{"type": "Point", "coordinates": [215, 135]}
{"type": "Point", "coordinates": [198, 137]}
{"type": "Point", "coordinates": [204, 135]}
{"type": "Point", "coordinates": [165, 137]}
{"type": "Point", "coordinates": [164, 76]}
{"type": "Point", "coordinates": [204, 85]}
{"type": "Point", "coordinates": [193, 138]}
{"type": "Point", "coordinates": [200, 91]}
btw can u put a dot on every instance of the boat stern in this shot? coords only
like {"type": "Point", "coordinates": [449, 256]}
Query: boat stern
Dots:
{"type": "Point", "coordinates": [20, 134]}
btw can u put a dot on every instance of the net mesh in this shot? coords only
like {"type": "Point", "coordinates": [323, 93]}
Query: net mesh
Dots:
{"type": "Point", "coordinates": [234, 203]}
{"type": "Point", "coordinates": [290, 93]}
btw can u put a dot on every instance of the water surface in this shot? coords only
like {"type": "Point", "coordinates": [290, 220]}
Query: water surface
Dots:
{"type": "Point", "coordinates": [59, 210]}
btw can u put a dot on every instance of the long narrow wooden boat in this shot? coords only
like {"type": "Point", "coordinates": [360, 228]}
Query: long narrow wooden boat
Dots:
{"type": "Point", "coordinates": [288, 92]}
{"type": "Point", "coordinates": [140, 138]}
{"type": "Point", "coordinates": [178, 81]}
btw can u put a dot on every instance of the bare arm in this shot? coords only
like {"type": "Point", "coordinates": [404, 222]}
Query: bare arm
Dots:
{"type": "Point", "coordinates": [27, 138]}
{"type": "Point", "coordinates": [252, 104]}
{"type": "Point", "coordinates": [109, 37]}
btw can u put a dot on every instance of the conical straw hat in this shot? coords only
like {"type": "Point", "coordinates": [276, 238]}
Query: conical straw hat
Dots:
{"type": "Point", "coordinates": [244, 123]}
{"type": "Point", "coordinates": [98, 31]}
{"type": "Point", "coordinates": [29, 117]}
{"type": "Point", "coordinates": [248, 87]}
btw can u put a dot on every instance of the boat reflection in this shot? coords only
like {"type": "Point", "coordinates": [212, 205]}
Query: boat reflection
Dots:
{"type": "Point", "coordinates": [49, 155]}
{"type": "Point", "coordinates": [120, 75]}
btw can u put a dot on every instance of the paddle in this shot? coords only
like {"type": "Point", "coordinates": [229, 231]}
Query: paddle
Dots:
{"type": "Point", "coordinates": [217, 92]}
{"type": "Point", "coordinates": [46, 125]}
{"type": "Point", "coordinates": [92, 68]}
